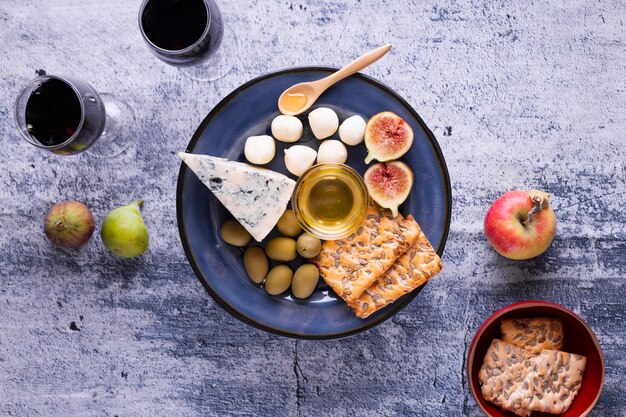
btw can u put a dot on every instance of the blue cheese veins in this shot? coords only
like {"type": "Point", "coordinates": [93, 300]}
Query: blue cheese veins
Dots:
{"type": "Point", "coordinates": [256, 197]}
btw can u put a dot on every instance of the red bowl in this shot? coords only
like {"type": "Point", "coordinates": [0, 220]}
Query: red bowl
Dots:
{"type": "Point", "coordinates": [579, 338]}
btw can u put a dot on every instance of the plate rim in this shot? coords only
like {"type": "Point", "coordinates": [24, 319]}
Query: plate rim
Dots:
{"type": "Point", "coordinates": [216, 110]}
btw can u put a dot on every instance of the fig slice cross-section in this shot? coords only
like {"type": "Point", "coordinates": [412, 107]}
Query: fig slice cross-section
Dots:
{"type": "Point", "coordinates": [387, 137]}
{"type": "Point", "coordinates": [389, 184]}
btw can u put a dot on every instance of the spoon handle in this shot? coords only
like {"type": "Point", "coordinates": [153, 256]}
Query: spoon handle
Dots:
{"type": "Point", "coordinates": [357, 65]}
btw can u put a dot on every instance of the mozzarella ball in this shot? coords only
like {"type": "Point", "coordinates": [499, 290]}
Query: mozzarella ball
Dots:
{"type": "Point", "coordinates": [260, 149]}
{"type": "Point", "coordinates": [352, 130]}
{"type": "Point", "coordinates": [332, 152]}
{"type": "Point", "coordinates": [299, 158]}
{"type": "Point", "coordinates": [324, 122]}
{"type": "Point", "coordinates": [287, 128]}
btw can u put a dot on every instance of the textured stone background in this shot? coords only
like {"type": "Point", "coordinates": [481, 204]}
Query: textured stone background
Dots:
{"type": "Point", "coordinates": [519, 94]}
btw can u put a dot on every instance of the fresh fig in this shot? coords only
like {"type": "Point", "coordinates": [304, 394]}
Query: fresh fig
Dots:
{"type": "Point", "coordinates": [69, 224]}
{"type": "Point", "coordinates": [387, 137]}
{"type": "Point", "coordinates": [124, 232]}
{"type": "Point", "coordinates": [389, 184]}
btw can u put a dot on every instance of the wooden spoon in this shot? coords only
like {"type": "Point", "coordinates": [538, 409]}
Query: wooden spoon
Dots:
{"type": "Point", "coordinates": [300, 97]}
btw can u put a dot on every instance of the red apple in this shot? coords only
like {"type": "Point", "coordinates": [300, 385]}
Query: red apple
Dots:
{"type": "Point", "coordinates": [521, 224]}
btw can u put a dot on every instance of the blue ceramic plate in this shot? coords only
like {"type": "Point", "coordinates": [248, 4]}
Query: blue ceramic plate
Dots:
{"type": "Point", "coordinates": [248, 111]}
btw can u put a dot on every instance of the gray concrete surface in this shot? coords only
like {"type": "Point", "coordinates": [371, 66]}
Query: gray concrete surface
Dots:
{"type": "Point", "coordinates": [519, 94]}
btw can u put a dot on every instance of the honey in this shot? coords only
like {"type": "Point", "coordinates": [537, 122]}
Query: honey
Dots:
{"type": "Point", "coordinates": [294, 101]}
{"type": "Point", "coordinates": [330, 201]}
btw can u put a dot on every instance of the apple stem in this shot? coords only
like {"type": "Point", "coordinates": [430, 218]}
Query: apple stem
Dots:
{"type": "Point", "coordinates": [541, 200]}
{"type": "Point", "coordinates": [536, 209]}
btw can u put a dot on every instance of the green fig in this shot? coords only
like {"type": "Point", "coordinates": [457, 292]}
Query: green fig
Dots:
{"type": "Point", "coordinates": [124, 232]}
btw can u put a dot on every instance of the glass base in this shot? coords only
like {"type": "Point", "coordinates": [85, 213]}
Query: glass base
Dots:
{"type": "Point", "coordinates": [120, 122]}
{"type": "Point", "coordinates": [220, 63]}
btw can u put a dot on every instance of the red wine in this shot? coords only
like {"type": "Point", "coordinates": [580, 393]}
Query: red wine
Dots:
{"type": "Point", "coordinates": [53, 112]}
{"type": "Point", "coordinates": [175, 24]}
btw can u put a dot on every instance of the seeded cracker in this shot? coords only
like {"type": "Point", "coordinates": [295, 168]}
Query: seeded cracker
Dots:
{"type": "Point", "coordinates": [416, 266]}
{"type": "Point", "coordinates": [503, 376]}
{"type": "Point", "coordinates": [554, 381]}
{"type": "Point", "coordinates": [351, 265]}
{"type": "Point", "coordinates": [535, 334]}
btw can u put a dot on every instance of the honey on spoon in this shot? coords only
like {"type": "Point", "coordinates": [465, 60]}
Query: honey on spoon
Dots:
{"type": "Point", "coordinates": [294, 101]}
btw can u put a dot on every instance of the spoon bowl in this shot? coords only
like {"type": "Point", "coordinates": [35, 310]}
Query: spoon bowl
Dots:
{"type": "Point", "coordinates": [292, 101]}
{"type": "Point", "coordinates": [289, 101]}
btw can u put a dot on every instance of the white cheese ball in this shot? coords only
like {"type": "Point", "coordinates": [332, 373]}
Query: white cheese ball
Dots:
{"type": "Point", "coordinates": [287, 128]}
{"type": "Point", "coordinates": [332, 152]}
{"type": "Point", "coordinates": [352, 130]}
{"type": "Point", "coordinates": [260, 149]}
{"type": "Point", "coordinates": [324, 122]}
{"type": "Point", "coordinates": [299, 158]}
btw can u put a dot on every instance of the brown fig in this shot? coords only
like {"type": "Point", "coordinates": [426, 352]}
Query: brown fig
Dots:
{"type": "Point", "coordinates": [387, 137]}
{"type": "Point", "coordinates": [69, 224]}
{"type": "Point", "coordinates": [389, 184]}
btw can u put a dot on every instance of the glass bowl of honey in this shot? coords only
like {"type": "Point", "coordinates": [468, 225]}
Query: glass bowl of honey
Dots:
{"type": "Point", "coordinates": [330, 201]}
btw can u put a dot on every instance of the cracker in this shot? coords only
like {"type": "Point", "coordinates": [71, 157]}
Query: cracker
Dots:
{"type": "Point", "coordinates": [555, 381]}
{"type": "Point", "coordinates": [534, 334]}
{"type": "Point", "coordinates": [503, 375]}
{"type": "Point", "coordinates": [416, 266]}
{"type": "Point", "coordinates": [351, 265]}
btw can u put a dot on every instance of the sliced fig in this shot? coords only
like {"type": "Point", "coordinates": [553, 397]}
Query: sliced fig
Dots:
{"type": "Point", "coordinates": [387, 137]}
{"type": "Point", "coordinates": [389, 184]}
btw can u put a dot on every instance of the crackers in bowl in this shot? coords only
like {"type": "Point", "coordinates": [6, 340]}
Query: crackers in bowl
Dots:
{"type": "Point", "coordinates": [520, 375]}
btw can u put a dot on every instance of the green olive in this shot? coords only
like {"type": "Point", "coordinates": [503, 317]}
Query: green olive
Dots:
{"type": "Point", "coordinates": [235, 234]}
{"type": "Point", "coordinates": [305, 280]}
{"type": "Point", "coordinates": [288, 225]}
{"type": "Point", "coordinates": [308, 245]}
{"type": "Point", "coordinates": [256, 264]}
{"type": "Point", "coordinates": [281, 249]}
{"type": "Point", "coordinates": [278, 279]}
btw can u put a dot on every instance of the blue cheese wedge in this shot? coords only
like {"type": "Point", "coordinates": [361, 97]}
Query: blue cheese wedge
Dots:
{"type": "Point", "coordinates": [256, 197]}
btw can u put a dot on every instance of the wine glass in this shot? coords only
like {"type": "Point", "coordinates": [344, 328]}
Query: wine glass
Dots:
{"type": "Point", "coordinates": [66, 116]}
{"type": "Point", "coordinates": [189, 34]}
